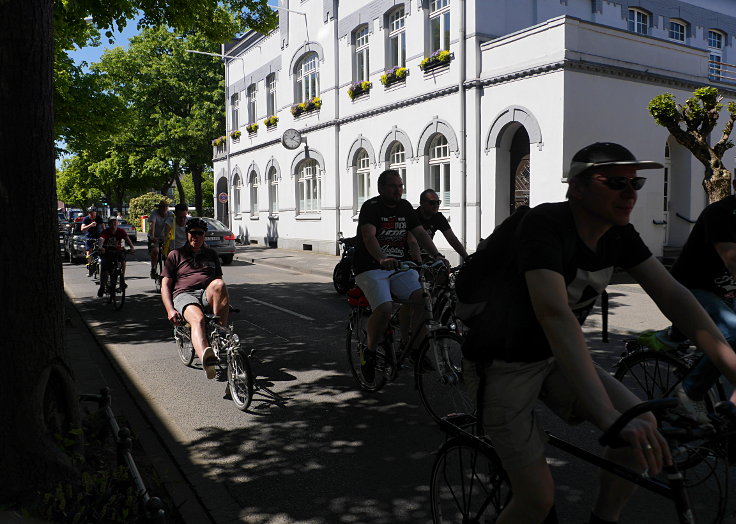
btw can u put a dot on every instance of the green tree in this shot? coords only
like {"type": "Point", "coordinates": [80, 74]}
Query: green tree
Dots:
{"type": "Point", "coordinates": [691, 124]}
{"type": "Point", "coordinates": [208, 188]}
{"type": "Point", "coordinates": [36, 383]}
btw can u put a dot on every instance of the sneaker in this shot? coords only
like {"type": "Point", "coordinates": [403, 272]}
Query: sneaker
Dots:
{"type": "Point", "coordinates": [209, 362]}
{"type": "Point", "coordinates": [154, 275]}
{"type": "Point", "coordinates": [100, 291]}
{"type": "Point", "coordinates": [123, 285]}
{"type": "Point", "coordinates": [694, 409]}
{"type": "Point", "coordinates": [368, 366]}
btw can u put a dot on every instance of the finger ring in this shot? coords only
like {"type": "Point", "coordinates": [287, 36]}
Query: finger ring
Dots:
{"type": "Point", "coordinates": [647, 447]}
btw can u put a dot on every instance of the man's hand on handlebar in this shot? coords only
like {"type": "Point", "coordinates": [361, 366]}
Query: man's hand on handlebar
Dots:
{"type": "Point", "coordinates": [174, 317]}
{"type": "Point", "coordinates": [649, 446]}
{"type": "Point", "coordinates": [389, 263]}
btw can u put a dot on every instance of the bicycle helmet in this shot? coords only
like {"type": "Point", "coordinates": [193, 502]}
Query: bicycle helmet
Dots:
{"type": "Point", "coordinates": [196, 223]}
{"type": "Point", "coordinates": [91, 208]}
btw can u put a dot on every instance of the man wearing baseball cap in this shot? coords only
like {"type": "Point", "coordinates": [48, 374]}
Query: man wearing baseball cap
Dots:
{"type": "Point", "coordinates": [532, 345]}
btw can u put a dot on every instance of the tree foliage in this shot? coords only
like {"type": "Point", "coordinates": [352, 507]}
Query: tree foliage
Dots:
{"type": "Point", "coordinates": [691, 124]}
{"type": "Point", "coordinates": [144, 205]}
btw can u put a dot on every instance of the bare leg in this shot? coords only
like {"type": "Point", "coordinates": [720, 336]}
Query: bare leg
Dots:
{"type": "Point", "coordinates": [377, 323]}
{"type": "Point", "coordinates": [195, 318]}
{"type": "Point", "coordinates": [217, 296]}
{"type": "Point", "coordinates": [533, 494]}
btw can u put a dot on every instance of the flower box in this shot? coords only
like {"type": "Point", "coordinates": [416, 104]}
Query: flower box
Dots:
{"type": "Point", "coordinates": [393, 75]}
{"type": "Point", "coordinates": [252, 128]}
{"type": "Point", "coordinates": [235, 135]}
{"type": "Point", "coordinates": [270, 121]}
{"type": "Point", "coordinates": [306, 107]}
{"type": "Point", "coordinates": [357, 89]}
{"type": "Point", "coordinates": [436, 59]}
{"type": "Point", "coordinates": [217, 142]}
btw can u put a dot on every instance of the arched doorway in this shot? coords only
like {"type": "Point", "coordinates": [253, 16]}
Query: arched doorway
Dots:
{"type": "Point", "coordinates": [222, 214]}
{"type": "Point", "coordinates": [519, 170]}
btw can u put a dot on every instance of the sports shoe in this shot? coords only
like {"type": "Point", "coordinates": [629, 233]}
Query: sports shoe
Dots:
{"type": "Point", "coordinates": [209, 362]}
{"type": "Point", "coordinates": [154, 275]}
{"type": "Point", "coordinates": [123, 285]}
{"type": "Point", "coordinates": [101, 291]}
{"type": "Point", "coordinates": [368, 366]}
{"type": "Point", "coordinates": [694, 409]}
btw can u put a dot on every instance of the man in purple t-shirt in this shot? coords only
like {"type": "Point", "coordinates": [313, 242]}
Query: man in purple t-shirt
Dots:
{"type": "Point", "coordinates": [193, 277]}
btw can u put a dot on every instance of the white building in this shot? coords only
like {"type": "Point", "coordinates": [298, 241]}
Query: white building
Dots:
{"type": "Point", "coordinates": [528, 83]}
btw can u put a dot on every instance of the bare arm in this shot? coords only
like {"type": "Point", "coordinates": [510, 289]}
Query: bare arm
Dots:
{"type": "Point", "coordinates": [130, 243]}
{"type": "Point", "coordinates": [455, 243]}
{"type": "Point", "coordinates": [167, 294]}
{"type": "Point", "coordinates": [425, 240]}
{"type": "Point", "coordinates": [685, 312]}
{"type": "Point", "coordinates": [414, 251]}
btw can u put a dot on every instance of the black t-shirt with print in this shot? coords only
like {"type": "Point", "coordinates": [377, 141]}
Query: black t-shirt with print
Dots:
{"type": "Point", "coordinates": [699, 265]}
{"type": "Point", "coordinates": [392, 225]}
{"type": "Point", "coordinates": [547, 239]}
{"type": "Point", "coordinates": [436, 222]}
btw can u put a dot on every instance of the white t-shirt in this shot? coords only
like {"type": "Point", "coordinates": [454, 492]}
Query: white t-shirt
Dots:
{"type": "Point", "coordinates": [159, 222]}
{"type": "Point", "coordinates": [180, 236]}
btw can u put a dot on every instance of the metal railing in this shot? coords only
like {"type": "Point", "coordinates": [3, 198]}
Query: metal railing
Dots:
{"type": "Point", "coordinates": [721, 72]}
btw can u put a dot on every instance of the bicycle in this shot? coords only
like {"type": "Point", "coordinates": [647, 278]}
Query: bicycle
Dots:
{"type": "Point", "coordinates": [159, 268]}
{"type": "Point", "coordinates": [231, 357]}
{"type": "Point", "coordinates": [115, 287]}
{"type": "Point", "coordinates": [342, 276]}
{"type": "Point", "coordinates": [438, 362]}
{"type": "Point", "coordinates": [469, 485]}
{"type": "Point", "coordinates": [93, 264]}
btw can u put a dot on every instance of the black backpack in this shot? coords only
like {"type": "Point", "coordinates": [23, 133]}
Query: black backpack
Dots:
{"type": "Point", "coordinates": [479, 273]}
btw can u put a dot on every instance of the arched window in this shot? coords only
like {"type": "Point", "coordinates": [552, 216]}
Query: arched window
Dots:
{"type": "Point", "coordinates": [253, 183]}
{"type": "Point", "coordinates": [309, 186]}
{"type": "Point", "coordinates": [715, 54]}
{"type": "Point", "coordinates": [307, 78]}
{"type": "Point", "coordinates": [638, 21]}
{"type": "Point", "coordinates": [360, 49]}
{"type": "Point", "coordinates": [237, 184]}
{"type": "Point", "coordinates": [234, 105]}
{"type": "Point", "coordinates": [677, 30]}
{"type": "Point", "coordinates": [362, 178]}
{"type": "Point", "coordinates": [273, 191]}
{"type": "Point", "coordinates": [439, 25]}
{"type": "Point", "coordinates": [271, 94]}
{"type": "Point", "coordinates": [396, 159]}
{"type": "Point", "coordinates": [396, 38]}
{"type": "Point", "coordinates": [439, 168]}
{"type": "Point", "coordinates": [252, 103]}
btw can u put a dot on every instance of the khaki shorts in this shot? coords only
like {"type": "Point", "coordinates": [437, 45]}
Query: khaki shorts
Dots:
{"type": "Point", "coordinates": [510, 394]}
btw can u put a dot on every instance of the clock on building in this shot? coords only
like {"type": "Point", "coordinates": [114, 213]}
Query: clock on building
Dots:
{"type": "Point", "coordinates": [291, 139]}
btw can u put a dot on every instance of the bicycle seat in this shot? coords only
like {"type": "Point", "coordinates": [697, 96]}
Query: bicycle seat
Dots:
{"type": "Point", "coordinates": [357, 298]}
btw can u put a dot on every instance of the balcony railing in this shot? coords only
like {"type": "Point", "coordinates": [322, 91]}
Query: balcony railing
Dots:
{"type": "Point", "coordinates": [721, 72]}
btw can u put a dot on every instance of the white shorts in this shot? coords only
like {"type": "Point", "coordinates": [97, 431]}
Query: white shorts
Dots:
{"type": "Point", "coordinates": [383, 285]}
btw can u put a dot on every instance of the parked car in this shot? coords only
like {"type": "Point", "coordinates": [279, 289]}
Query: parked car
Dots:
{"type": "Point", "coordinates": [221, 239]}
{"type": "Point", "coordinates": [63, 228]}
{"type": "Point", "coordinates": [129, 229]}
{"type": "Point", "coordinates": [75, 243]}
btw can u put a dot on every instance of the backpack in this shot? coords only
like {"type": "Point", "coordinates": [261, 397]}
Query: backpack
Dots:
{"type": "Point", "coordinates": [478, 274]}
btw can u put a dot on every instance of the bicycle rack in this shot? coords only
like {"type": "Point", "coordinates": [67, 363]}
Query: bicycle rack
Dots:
{"type": "Point", "coordinates": [153, 507]}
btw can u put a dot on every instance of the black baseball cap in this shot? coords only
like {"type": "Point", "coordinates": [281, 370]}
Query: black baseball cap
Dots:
{"type": "Point", "coordinates": [604, 154]}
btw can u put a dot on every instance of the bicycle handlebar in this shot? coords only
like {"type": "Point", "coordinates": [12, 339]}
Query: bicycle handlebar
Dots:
{"type": "Point", "coordinates": [611, 437]}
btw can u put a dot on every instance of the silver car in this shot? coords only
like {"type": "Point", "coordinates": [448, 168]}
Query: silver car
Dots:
{"type": "Point", "coordinates": [220, 238]}
{"type": "Point", "coordinates": [129, 229]}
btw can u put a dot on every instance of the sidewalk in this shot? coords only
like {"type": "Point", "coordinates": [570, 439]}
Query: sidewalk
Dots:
{"type": "Point", "coordinates": [94, 367]}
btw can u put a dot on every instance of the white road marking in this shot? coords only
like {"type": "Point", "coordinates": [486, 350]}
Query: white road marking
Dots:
{"type": "Point", "coordinates": [290, 312]}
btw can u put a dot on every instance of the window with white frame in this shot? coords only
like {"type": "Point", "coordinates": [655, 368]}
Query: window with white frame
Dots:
{"type": "Point", "coordinates": [638, 21]}
{"type": "Point", "coordinates": [236, 193]}
{"type": "Point", "coordinates": [252, 103]}
{"type": "Point", "coordinates": [253, 183]}
{"type": "Point", "coordinates": [715, 54]}
{"type": "Point", "coordinates": [439, 25]}
{"type": "Point", "coordinates": [309, 186]}
{"type": "Point", "coordinates": [234, 103]}
{"type": "Point", "coordinates": [271, 94]}
{"type": "Point", "coordinates": [439, 168]}
{"type": "Point", "coordinates": [360, 60]}
{"type": "Point", "coordinates": [307, 78]}
{"type": "Point", "coordinates": [677, 30]}
{"type": "Point", "coordinates": [397, 161]}
{"type": "Point", "coordinates": [273, 191]}
{"type": "Point", "coordinates": [362, 177]}
{"type": "Point", "coordinates": [396, 38]}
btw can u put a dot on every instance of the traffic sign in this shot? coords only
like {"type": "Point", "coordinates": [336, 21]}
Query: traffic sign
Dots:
{"type": "Point", "coordinates": [222, 198]}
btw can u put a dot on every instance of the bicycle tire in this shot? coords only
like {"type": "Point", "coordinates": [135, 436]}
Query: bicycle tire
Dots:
{"type": "Point", "coordinates": [240, 379]}
{"type": "Point", "coordinates": [118, 300]}
{"type": "Point", "coordinates": [159, 271]}
{"type": "Point", "coordinates": [340, 281]}
{"type": "Point", "coordinates": [439, 376]}
{"type": "Point", "coordinates": [468, 484]}
{"type": "Point", "coordinates": [184, 345]}
{"type": "Point", "coordinates": [355, 342]}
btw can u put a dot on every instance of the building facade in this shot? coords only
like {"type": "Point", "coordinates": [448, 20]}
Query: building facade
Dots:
{"type": "Point", "coordinates": [485, 101]}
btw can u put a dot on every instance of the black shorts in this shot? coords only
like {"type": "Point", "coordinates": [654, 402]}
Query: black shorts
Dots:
{"type": "Point", "coordinates": [109, 258]}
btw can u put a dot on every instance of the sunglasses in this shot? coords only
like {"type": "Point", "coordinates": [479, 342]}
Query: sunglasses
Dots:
{"type": "Point", "coordinates": [617, 183]}
{"type": "Point", "coordinates": [433, 202]}
{"type": "Point", "coordinates": [196, 233]}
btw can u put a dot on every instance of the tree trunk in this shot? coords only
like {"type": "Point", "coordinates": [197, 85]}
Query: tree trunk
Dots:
{"type": "Point", "coordinates": [717, 184]}
{"type": "Point", "coordinates": [197, 181]}
{"type": "Point", "coordinates": [179, 186]}
{"type": "Point", "coordinates": [36, 385]}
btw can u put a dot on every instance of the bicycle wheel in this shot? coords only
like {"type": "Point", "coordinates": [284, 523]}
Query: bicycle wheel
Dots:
{"type": "Point", "coordinates": [651, 375]}
{"type": "Point", "coordinates": [468, 484]}
{"type": "Point", "coordinates": [439, 376]}
{"type": "Point", "coordinates": [341, 278]}
{"type": "Point", "coordinates": [240, 379]}
{"type": "Point", "coordinates": [119, 292]}
{"type": "Point", "coordinates": [184, 345]}
{"type": "Point", "coordinates": [355, 343]}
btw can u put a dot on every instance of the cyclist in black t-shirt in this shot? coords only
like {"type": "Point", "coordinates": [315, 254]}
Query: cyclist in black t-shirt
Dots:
{"type": "Point", "coordinates": [433, 220]}
{"type": "Point", "coordinates": [384, 225]}
{"type": "Point", "coordinates": [532, 344]}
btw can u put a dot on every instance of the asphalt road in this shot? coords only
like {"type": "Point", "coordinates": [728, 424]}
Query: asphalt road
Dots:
{"type": "Point", "coordinates": [311, 448]}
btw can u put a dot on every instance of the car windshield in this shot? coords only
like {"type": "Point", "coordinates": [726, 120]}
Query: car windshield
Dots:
{"type": "Point", "coordinates": [215, 225]}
